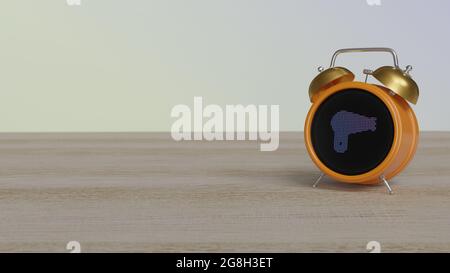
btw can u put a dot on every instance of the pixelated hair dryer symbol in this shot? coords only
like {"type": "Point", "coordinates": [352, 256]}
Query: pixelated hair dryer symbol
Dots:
{"type": "Point", "coordinates": [346, 123]}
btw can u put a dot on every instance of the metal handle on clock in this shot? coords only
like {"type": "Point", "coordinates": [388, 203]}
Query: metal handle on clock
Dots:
{"type": "Point", "coordinates": [365, 49]}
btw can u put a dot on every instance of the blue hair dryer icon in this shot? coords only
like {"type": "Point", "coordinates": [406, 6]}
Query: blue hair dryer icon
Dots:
{"type": "Point", "coordinates": [345, 123]}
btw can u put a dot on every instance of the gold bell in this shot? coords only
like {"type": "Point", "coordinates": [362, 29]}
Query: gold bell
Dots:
{"type": "Point", "coordinates": [328, 78]}
{"type": "Point", "coordinates": [399, 81]}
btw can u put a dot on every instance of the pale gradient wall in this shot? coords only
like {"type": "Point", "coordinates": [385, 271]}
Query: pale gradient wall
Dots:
{"type": "Point", "coordinates": [121, 65]}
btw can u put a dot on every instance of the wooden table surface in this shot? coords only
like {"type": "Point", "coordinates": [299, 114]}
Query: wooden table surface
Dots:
{"type": "Point", "coordinates": [143, 192]}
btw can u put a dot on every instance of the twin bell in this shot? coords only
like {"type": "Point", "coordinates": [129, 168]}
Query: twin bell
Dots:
{"type": "Point", "coordinates": [397, 80]}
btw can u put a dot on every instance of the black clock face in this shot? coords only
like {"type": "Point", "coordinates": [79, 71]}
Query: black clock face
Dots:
{"type": "Point", "coordinates": [352, 132]}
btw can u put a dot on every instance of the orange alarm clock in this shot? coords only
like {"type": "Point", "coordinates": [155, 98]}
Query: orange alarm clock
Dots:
{"type": "Point", "coordinates": [358, 132]}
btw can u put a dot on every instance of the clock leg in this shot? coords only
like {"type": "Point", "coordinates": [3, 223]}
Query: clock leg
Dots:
{"type": "Point", "coordinates": [318, 180]}
{"type": "Point", "coordinates": [386, 183]}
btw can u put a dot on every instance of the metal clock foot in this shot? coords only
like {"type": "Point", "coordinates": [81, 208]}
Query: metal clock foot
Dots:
{"type": "Point", "coordinates": [318, 180]}
{"type": "Point", "coordinates": [386, 183]}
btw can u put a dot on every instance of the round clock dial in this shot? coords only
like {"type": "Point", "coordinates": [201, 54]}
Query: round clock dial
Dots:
{"type": "Point", "coordinates": [352, 132]}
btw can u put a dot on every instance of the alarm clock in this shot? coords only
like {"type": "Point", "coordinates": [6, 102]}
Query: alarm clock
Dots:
{"type": "Point", "coordinates": [359, 132]}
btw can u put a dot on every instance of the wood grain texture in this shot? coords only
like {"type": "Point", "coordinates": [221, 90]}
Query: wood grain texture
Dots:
{"type": "Point", "coordinates": [145, 193]}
